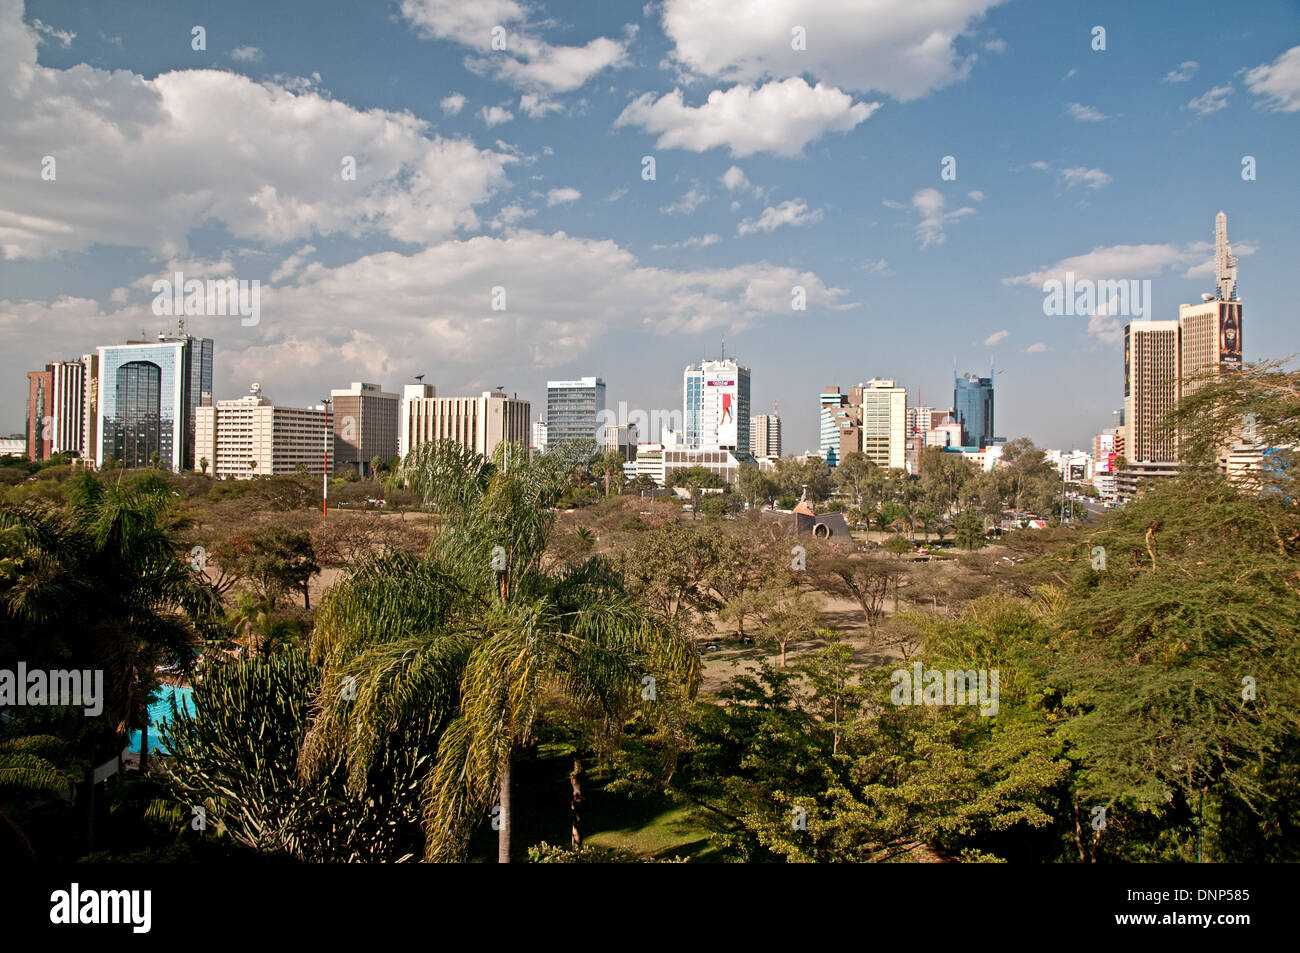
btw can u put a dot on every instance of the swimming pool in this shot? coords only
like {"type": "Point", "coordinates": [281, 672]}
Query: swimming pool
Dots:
{"type": "Point", "coordinates": [159, 712]}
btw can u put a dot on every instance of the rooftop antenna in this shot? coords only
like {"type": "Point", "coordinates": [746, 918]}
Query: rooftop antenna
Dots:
{"type": "Point", "coordinates": [724, 348]}
{"type": "Point", "coordinates": [419, 377]}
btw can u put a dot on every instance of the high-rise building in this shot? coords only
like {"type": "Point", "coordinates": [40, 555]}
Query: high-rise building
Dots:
{"type": "Point", "coordinates": [480, 423]}
{"type": "Point", "coordinates": [250, 436]}
{"type": "Point", "coordinates": [573, 409]}
{"type": "Point", "coordinates": [90, 408]}
{"type": "Point", "coordinates": [1165, 361]}
{"type": "Point", "coordinates": [765, 436]}
{"type": "Point", "coordinates": [839, 433]}
{"type": "Point", "coordinates": [1151, 375]}
{"type": "Point", "coordinates": [365, 426]}
{"type": "Point", "coordinates": [882, 421]}
{"type": "Point", "coordinates": [539, 436]}
{"type": "Point", "coordinates": [715, 405]}
{"type": "Point", "coordinates": [149, 395]}
{"type": "Point", "coordinates": [972, 401]}
{"type": "Point", "coordinates": [410, 392]}
{"type": "Point", "coordinates": [56, 403]}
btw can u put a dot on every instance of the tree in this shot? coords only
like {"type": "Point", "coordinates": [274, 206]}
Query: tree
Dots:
{"type": "Point", "coordinates": [675, 569]}
{"type": "Point", "coordinates": [855, 475]}
{"type": "Point", "coordinates": [273, 562]}
{"type": "Point", "coordinates": [473, 639]}
{"type": "Point", "coordinates": [203, 465]}
{"type": "Point", "coordinates": [898, 545]}
{"type": "Point", "coordinates": [695, 479]}
{"type": "Point", "coordinates": [754, 486]}
{"type": "Point", "coordinates": [610, 466]}
{"type": "Point", "coordinates": [969, 530]}
{"type": "Point", "coordinates": [865, 577]}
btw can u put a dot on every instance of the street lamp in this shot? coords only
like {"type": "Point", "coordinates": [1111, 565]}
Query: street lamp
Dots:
{"type": "Point", "coordinates": [325, 463]}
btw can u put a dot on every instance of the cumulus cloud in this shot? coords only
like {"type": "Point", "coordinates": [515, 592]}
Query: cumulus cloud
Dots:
{"type": "Point", "coordinates": [687, 204]}
{"type": "Point", "coordinates": [63, 37]}
{"type": "Point", "coordinates": [1277, 83]}
{"type": "Point", "coordinates": [1183, 73]}
{"type": "Point", "coordinates": [792, 212]}
{"type": "Point", "coordinates": [1211, 101]}
{"type": "Point", "coordinates": [536, 107]}
{"type": "Point", "coordinates": [1037, 348]}
{"type": "Point", "coordinates": [995, 337]}
{"type": "Point", "coordinates": [246, 54]}
{"type": "Point", "coordinates": [452, 105]}
{"type": "Point", "coordinates": [696, 241]}
{"type": "Point", "coordinates": [527, 61]}
{"type": "Point", "coordinates": [930, 205]}
{"type": "Point", "coordinates": [778, 117]}
{"type": "Point", "coordinates": [734, 178]}
{"type": "Point", "coordinates": [562, 196]}
{"type": "Point", "coordinates": [1089, 178]}
{"type": "Point", "coordinates": [156, 158]}
{"type": "Point", "coordinates": [899, 47]}
{"type": "Point", "coordinates": [495, 115]}
{"type": "Point", "coordinates": [1086, 113]}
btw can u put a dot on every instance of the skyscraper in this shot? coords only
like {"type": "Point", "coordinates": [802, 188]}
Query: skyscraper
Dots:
{"type": "Point", "coordinates": [1151, 373]}
{"type": "Point", "coordinates": [972, 398]}
{"type": "Point", "coordinates": [715, 398]}
{"type": "Point", "coordinates": [250, 437]}
{"type": "Point", "coordinates": [573, 408]}
{"type": "Point", "coordinates": [365, 426]}
{"type": "Point", "coordinates": [839, 433]}
{"type": "Point", "coordinates": [765, 436]}
{"type": "Point", "coordinates": [410, 392]}
{"type": "Point", "coordinates": [480, 423]}
{"type": "Point", "coordinates": [883, 421]}
{"type": "Point", "coordinates": [149, 394]}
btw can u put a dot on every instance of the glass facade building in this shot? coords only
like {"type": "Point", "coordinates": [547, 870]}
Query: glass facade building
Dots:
{"type": "Point", "coordinates": [573, 410]}
{"type": "Point", "coordinates": [149, 393]}
{"type": "Point", "coordinates": [972, 398]}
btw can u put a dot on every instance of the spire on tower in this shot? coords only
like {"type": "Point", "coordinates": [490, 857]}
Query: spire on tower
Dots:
{"type": "Point", "coordinates": [1225, 262]}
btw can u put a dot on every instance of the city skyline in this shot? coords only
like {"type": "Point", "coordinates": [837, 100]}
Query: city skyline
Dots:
{"type": "Point", "coordinates": [604, 271]}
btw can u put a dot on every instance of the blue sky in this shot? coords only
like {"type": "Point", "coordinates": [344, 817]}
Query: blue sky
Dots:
{"type": "Point", "coordinates": [522, 168]}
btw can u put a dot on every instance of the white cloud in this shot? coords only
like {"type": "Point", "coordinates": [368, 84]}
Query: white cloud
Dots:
{"type": "Point", "coordinates": [527, 61]}
{"type": "Point", "coordinates": [1278, 82]}
{"type": "Point", "coordinates": [996, 45]}
{"type": "Point", "coordinates": [687, 204]}
{"type": "Point", "coordinates": [452, 105]}
{"type": "Point", "coordinates": [1038, 348]}
{"type": "Point", "coordinates": [1210, 101]}
{"type": "Point", "coordinates": [779, 117]}
{"type": "Point", "coordinates": [156, 158]}
{"type": "Point", "coordinates": [877, 267]}
{"type": "Point", "coordinates": [246, 54]}
{"type": "Point", "coordinates": [510, 215]}
{"type": "Point", "coordinates": [617, 194]}
{"type": "Point", "coordinates": [929, 204]}
{"type": "Point", "coordinates": [536, 107]}
{"type": "Point", "coordinates": [734, 178]}
{"type": "Point", "coordinates": [63, 37]}
{"type": "Point", "coordinates": [562, 196]}
{"type": "Point", "coordinates": [792, 212]}
{"type": "Point", "coordinates": [1183, 73]}
{"type": "Point", "coordinates": [1086, 113]}
{"type": "Point", "coordinates": [977, 195]}
{"type": "Point", "coordinates": [495, 115]}
{"type": "Point", "coordinates": [1089, 178]}
{"type": "Point", "coordinates": [995, 337]}
{"type": "Point", "coordinates": [698, 241]}
{"type": "Point", "coordinates": [289, 266]}
{"type": "Point", "coordinates": [900, 47]}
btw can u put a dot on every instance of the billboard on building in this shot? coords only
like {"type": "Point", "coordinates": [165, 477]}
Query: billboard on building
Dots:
{"type": "Point", "coordinates": [1076, 471]}
{"type": "Point", "coordinates": [722, 392]}
{"type": "Point", "coordinates": [1230, 333]}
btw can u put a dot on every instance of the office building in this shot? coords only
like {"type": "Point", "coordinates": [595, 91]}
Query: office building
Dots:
{"type": "Point", "coordinates": [765, 436]}
{"type": "Point", "coordinates": [365, 426]}
{"type": "Point", "coordinates": [149, 395]}
{"type": "Point", "coordinates": [249, 436]}
{"type": "Point", "coordinates": [410, 392]}
{"type": "Point", "coordinates": [1151, 375]}
{"type": "Point", "coordinates": [480, 423]}
{"type": "Point", "coordinates": [56, 405]}
{"type": "Point", "coordinates": [972, 401]}
{"type": "Point", "coordinates": [715, 406]}
{"type": "Point", "coordinates": [573, 409]}
{"type": "Point", "coordinates": [623, 440]}
{"type": "Point", "coordinates": [882, 421]}
{"type": "Point", "coordinates": [538, 444]}
{"type": "Point", "coordinates": [839, 433]}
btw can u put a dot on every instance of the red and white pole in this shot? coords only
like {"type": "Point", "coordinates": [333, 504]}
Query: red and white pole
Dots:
{"type": "Point", "coordinates": [325, 467]}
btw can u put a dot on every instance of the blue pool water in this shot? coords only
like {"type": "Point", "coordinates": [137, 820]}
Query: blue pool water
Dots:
{"type": "Point", "coordinates": [159, 712]}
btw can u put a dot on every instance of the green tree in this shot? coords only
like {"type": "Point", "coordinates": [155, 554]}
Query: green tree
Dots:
{"type": "Point", "coordinates": [968, 530]}
{"type": "Point", "coordinates": [474, 638]}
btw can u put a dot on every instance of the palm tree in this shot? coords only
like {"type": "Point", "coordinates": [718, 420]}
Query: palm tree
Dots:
{"type": "Point", "coordinates": [472, 639]}
{"type": "Point", "coordinates": [27, 768]}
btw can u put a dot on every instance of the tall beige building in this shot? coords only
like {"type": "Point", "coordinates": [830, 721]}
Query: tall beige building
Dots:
{"type": "Point", "coordinates": [765, 436]}
{"type": "Point", "coordinates": [480, 423]}
{"type": "Point", "coordinates": [250, 436]}
{"type": "Point", "coordinates": [883, 421]}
